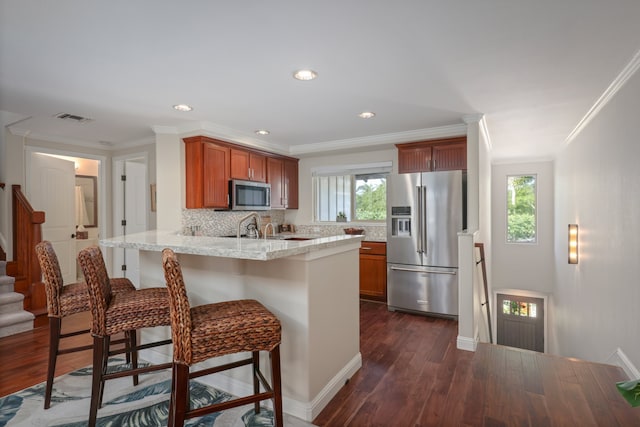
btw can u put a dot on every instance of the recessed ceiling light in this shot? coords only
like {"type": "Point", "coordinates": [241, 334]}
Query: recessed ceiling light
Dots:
{"type": "Point", "coordinates": [262, 132]}
{"type": "Point", "coordinates": [182, 107]}
{"type": "Point", "coordinates": [366, 114]}
{"type": "Point", "coordinates": [305, 75]}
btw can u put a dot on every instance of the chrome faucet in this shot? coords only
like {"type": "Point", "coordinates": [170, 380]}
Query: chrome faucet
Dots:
{"type": "Point", "coordinates": [256, 218]}
{"type": "Point", "coordinates": [266, 227]}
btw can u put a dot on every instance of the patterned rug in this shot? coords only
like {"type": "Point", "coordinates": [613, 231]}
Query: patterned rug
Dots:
{"type": "Point", "coordinates": [145, 405]}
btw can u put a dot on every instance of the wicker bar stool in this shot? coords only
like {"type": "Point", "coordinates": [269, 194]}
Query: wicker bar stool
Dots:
{"type": "Point", "coordinates": [113, 313]}
{"type": "Point", "coordinates": [214, 330]}
{"type": "Point", "coordinates": [62, 301]}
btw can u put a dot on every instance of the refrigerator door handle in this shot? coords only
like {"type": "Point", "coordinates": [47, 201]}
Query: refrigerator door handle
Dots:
{"type": "Point", "coordinates": [420, 249]}
{"type": "Point", "coordinates": [415, 270]}
{"type": "Point", "coordinates": [423, 236]}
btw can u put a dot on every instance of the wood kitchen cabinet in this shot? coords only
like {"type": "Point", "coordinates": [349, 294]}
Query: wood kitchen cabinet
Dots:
{"type": "Point", "coordinates": [206, 173]}
{"type": "Point", "coordinates": [373, 271]}
{"type": "Point", "coordinates": [282, 174]}
{"type": "Point", "coordinates": [433, 155]}
{"type": "Point", "coordinates": [210, 164]}
{"type": "Point", "coordinates": [248, 165]}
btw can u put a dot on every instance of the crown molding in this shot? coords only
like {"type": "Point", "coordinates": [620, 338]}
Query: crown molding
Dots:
{"type": "Point", "coordinates": [485, 132]}
{"type": "Point", "coordinates": [106, 146]}
{"type": "Point", "coordinates": [627, 72]}
{"type": "Point", "coordinates": [214, 130]}
{"type": "Point", "coordinates": [379, 140]}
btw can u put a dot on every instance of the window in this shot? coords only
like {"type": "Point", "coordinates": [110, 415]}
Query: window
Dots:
{"type": "Point", "coordinates": [360, 193]}
{"type": "Point", "coordinates": [519, 308]}
{"type": "Point", "coordinates": [521, 209]}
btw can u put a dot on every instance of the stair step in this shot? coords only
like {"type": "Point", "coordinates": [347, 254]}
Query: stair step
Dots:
{"type": "Point", "coordinates": [6, 287]}
{"type": "Point", "coordinates": [14, 323]}
{"type": "Point", "coordinates": [7, 280]}
{"type": "Point", "coordinates": [11, 302]}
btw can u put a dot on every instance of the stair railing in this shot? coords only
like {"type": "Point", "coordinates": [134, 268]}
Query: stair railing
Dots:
{"type": "Point", "coordinates": [27, 232]}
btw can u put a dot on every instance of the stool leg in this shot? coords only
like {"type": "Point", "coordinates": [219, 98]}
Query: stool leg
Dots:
{"type": "Point", "coordinates": [132, 342]}
{"type": "Point", "coordinates": [96, 382]}
{"type": "Point", "coordinates": [54, 344]}
{"type": "Point", "coordinates": [255, 356]}
{"type": "Point", "coordinates": [276, 384]}
{"type": "Point", "coordinates": [180, 400]}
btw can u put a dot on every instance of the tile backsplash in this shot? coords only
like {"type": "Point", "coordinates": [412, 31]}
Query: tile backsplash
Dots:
{"type": "Point", "coordinates": [209, 222]}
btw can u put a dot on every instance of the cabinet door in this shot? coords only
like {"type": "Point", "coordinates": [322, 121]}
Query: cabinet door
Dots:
{"type": "Point", "coordinates": [290, 192]}
{"type": "Point", "coordinates": [414, 159]}
{"type": "Point", "coordinates": [373, 271]}
{"type": "Point", "coordinates": [450, 157]}
{"type": "Point", "coordinates": [239, 164]}
{"type": "Point", "coordinates": [193, 151]}
{"type": "Point", "coordinates": [216, 176]}
{"type": "Point", "coordinates": [275, 177]}
{"type": "Point", "coordinates": [257, 167]}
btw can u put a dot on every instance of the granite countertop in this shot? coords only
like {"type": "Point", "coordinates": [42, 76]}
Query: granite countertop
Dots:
{"type": "Point", "coordinates": [244, 248]}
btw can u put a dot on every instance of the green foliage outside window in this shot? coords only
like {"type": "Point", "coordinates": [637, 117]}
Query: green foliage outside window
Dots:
{"type": "Point", "coordinates": [521, 209]}
{"type": "Point", "coordinates": [371, 199]}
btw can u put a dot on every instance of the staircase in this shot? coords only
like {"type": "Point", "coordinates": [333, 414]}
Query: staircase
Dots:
{"type": "Point", "coordinates": [13, 319]}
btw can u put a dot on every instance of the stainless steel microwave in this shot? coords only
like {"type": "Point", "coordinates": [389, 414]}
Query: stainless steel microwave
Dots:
{"type": "Point", "coordinates": [249, 195]}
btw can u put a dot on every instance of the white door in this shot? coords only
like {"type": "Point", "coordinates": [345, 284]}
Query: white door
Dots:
{"type": "Point", "coordinates": [130, 204]}
{"type": "Point", "coordinates": [51, 188]}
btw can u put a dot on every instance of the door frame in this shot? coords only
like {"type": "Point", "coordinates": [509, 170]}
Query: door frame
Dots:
{"type": "Point", "coordinates": [524, 293]}
{"type": "Point", "coordinates": [102, 188]}
{"type": "Point", "coordinates": [116, 204]}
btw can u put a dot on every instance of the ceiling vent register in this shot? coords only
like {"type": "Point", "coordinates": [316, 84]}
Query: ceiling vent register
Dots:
{"type": "Point", "coordinates": [73, 118]}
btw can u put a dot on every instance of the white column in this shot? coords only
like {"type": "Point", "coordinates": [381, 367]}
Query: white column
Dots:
{"type": "Point", "coordinates": [169, 180]}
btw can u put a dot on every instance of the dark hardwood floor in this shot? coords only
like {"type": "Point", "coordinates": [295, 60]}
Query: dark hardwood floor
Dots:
{"type": "Point", "coordinates": [413, 375]}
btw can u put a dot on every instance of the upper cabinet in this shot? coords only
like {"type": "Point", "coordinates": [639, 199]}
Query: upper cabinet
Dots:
{"type": "Point", "coordinates": [433, 155]}
{"type": "Point", "coordinates": [206, 173]}
{"type": "Point", "coordinates": [248, 165]}
{"type": "Point", "coordinates": [210, 164]}
{"type": "Point", "coordinates": [282, 174]}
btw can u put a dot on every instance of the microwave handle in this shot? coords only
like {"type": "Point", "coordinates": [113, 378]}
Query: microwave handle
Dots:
{"type": "Point", "coordinates": [269, 195]}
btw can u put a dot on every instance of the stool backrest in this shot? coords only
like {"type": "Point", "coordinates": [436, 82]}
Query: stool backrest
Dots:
{"type": "Point", "coordinates": [99, 287]}
{"type": "Point", "coordinates": [179, 308]}
{"type": "Point", "coordinates": [51, 275]}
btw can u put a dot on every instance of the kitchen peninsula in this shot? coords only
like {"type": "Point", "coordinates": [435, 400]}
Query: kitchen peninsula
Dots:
{"type": "Point", "coordinates": [311, 285]}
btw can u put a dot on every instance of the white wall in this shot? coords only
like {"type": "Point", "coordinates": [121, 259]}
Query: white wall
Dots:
{"type": "Point", "coordinates": [596, 302]}
{"type": "Point", "coordinates": [517, 265]}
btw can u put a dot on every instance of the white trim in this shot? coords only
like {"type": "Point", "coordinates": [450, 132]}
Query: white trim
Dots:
{"type": "Point", "coordinates": [220, 132]}
{"type": "Point", "coordinates": [380, 140]}
{"type": "Point", "coordinates": [620, 359]}
{"type": "Point", "coordinates": [82, 143]}
{"type": "Point", "coordinates": [627, 72]}
{"type": "Point", "coordinates": [524, 293]}
{"type": "Point", "coordinates": [466, 343]}
{"type": "Point", "coordinates": [485, 133]}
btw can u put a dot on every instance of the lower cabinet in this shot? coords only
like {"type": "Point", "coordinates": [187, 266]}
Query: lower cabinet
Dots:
{"type": "Point", "coordinates": [373, 271]}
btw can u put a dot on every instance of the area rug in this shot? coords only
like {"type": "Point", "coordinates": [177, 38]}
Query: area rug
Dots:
{"type": "Point", "coordinates": [145, 405]}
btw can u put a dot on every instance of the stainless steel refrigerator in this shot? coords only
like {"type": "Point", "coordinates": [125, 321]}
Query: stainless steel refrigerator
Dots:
{"type": "Point", "coordinates": [425, 212]}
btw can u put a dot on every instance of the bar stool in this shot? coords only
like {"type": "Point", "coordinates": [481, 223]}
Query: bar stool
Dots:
{"type": "Point", "coordinates": [113, 313]}
{"type": "Point", "coordinates": [214, 330]}
{"type": "Point", "coordinates": [62, 301]}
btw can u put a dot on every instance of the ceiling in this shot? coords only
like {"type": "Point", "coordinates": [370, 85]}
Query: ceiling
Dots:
{"type": "Point", "coordinates": [533, 69]}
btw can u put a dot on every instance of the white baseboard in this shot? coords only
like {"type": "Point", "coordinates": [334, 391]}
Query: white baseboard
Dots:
{"type": "Point", "coordinates": [466, 343]}
{"type": "Point", "coordinates": [620, 359]}
{"type": "Point", "coordinates": [303, 410]}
